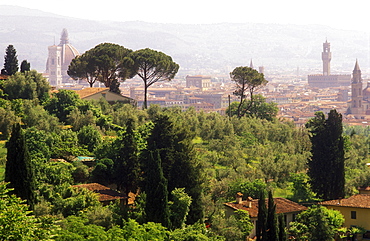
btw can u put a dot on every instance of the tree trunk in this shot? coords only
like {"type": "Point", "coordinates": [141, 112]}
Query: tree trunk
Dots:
{"type": "Point", "coordinates": [145, 106]}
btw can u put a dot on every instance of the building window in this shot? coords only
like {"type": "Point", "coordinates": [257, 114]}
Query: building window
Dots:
{"type": "Point", "coordinates": [353, 214]}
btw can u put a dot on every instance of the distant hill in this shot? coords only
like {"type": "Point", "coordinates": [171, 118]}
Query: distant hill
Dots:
{"type": "Point", "coordinates": [199, 49]}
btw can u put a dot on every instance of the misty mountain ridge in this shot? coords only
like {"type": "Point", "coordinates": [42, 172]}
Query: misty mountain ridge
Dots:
{"type": "Point", "coordinates": [197, 48]}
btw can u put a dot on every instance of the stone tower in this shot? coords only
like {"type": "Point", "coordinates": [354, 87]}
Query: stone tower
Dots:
{"type": "Point", "coordinates": [59, 58]}
{"type": "Point", "coordinates": [326, 57]}
{"type": "Point", "coordinates": [356, 107]}
{"type": "Point", "coordinates": [53, 66]}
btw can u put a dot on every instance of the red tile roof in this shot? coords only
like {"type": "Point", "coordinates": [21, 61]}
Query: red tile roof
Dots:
{"type": "Point", "coordinates": [355, 201]}
{"type": "Point", "coordinates": [105, 193]}
{"type": "Point", "coordinates": [90, 91]}
{"type": "Point", "coordinates": [282, 206]}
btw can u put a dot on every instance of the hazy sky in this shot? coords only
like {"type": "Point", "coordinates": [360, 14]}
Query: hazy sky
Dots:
{"type": "Point", "coordinates": [339, 14]}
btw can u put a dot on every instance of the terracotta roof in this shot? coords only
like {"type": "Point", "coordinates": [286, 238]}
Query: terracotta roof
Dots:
{"type": "Point", "coordinates": [4, 76]}
{"type": "Point", "coordinates": [90, 91]}
{"type": "Point", "coordinates": [355, 201]}
{"type": "Point", "coordinates": [367, 188]}
{"type": "Point", "coordinates": [198, 76]}
{"type": "Point", "coordinates": [282, 206]}
{"type": "Point", "coordinates": [105, 193]}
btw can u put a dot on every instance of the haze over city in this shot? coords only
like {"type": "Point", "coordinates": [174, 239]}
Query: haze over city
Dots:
{"type": "Point", "coordinates": [336, 14]}
{"type": "Point", "coordinates": [184, 120]}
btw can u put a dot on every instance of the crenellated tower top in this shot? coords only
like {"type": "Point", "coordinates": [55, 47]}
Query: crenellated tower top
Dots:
{"type": "Point", "coordinates": [326, 58]}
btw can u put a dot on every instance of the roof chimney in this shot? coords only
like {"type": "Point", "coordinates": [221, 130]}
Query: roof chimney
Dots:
{"type": "Point", "coordinates": [250, 202]}
{"type": "Point", "coordinates": [239, 198]}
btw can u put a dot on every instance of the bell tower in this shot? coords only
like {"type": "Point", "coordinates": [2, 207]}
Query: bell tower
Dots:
{"type": "Point", "coordinates": [53, 65]}
{"type": "Point", "coordinates": [356, 87]}
{"type": "Point", "coordinates": [326, 57]}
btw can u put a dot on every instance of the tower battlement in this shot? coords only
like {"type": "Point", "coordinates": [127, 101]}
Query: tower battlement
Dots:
{"type": "Point", "coordinates": [326, 79]}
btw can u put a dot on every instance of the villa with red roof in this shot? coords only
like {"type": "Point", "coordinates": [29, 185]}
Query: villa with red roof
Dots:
{"type": "Point", "coordinates": [96, 93]}
{"type": "Point", "coordinates": [355, 209]}
{"type": "Point", "coordinates": [106, 195]}
{"type": "Point", "coordinates": [289, 208]}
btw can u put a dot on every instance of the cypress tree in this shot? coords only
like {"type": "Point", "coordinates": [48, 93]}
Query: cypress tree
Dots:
{"type": "Point", "coordinates": [25, 66]}
{"type": "Point", "coordinates": [326, 166]}
{"type": "Point", "coordinates": [127, 163]}
{"type": "Point", "coordinates": [19, 170]}
{"type": "Point", "coordinates": [162, 139]}
{"type": "Point", "coordinates": [179, 163]}
{"type": "Point", "coordinates": [10, 61]}
{"type": "Point", "coordinates": [186, 173]}
{"type": "Point", "coordinates": [271, 222]}
{"type": "Point", "coordinates": [282, 232]}
{"type": "Point", "coordinates": [261, 218]}
{"type": "Point", "coordinates": [156, 208]}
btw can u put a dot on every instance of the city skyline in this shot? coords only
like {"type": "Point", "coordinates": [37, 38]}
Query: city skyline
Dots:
{"type": "Point", "coordinates": [340, 15]}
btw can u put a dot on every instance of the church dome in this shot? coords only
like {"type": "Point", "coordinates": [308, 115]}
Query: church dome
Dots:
{"type": "Point", "coordinates": [68, 51]}
{"type": "Point", "coordinates": [59, 59]}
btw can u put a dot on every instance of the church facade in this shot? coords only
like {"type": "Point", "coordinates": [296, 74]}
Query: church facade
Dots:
{"type": "Point", "coordinates": [326, 79]}
{"type": "Point", "coordinates": [59, 58]}
{"type": "Point", "coordinates": [359, 105]}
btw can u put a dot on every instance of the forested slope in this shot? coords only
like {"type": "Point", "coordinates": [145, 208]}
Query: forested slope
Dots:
{"type": "Point", "coordinates": [196, 161]}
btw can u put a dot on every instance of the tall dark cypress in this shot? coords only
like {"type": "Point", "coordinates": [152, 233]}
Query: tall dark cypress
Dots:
{"type": "Point", "coordinates": [180, 166]}
{"type": "Point", "coordinates": [19, 170]}
{"type": "Point", "coordinates": [162, 139]}
{"type": "Point", "coordinates": [326, 166]}
{"type": "Point", "coordinates": [261, 218]}
{"type": "Point", "coordinates": [156, 208]}
{"type": "Point", "coordinates": [127, 169]}
{"type": "Point", "coordinates": [282, 232]}
{"type": "Point", "coordinates": [336, 154]}
{"type": "Point", "coordinates": [186, 172]}
{"type": "Point", "coordinates": [10, 61]}
{"type": "Point", "coordinates": [25, 66]}
{"type": "Point", "coordinates": [271, 222]}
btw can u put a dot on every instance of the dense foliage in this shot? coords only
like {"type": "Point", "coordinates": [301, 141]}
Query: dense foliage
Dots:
{"type": "Point", "coordinates": [187, 163]}
{"type": "Point", "coordinates": [326, 167]}
{"type": "Point", "coordinates": [316, 223]}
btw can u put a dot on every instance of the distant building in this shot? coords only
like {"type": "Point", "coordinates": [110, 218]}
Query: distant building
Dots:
{"type": "Point", "coordinates": [59, 58]}
{"type": "Point", "coordinates": [218, 100]}
{"type": "Point", "coordinates": [359, 105]}
{"type": "Point", "coordinates": [326, 79]}
{"type": "Point", "coordinates": [356, 107]}
{"type": "Point", "coordinates": [200, 81]}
